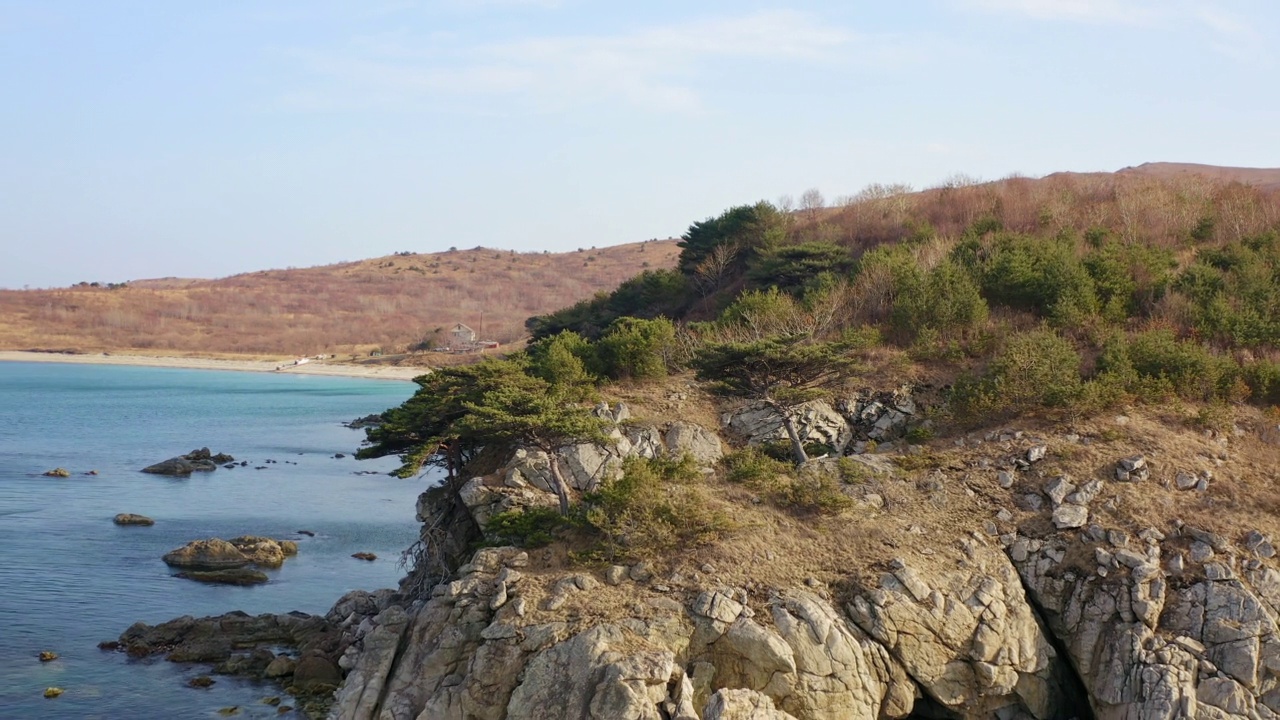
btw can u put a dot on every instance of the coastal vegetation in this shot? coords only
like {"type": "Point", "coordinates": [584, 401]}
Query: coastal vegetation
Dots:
{"type": "Point", "coordinates": [1060, 298]}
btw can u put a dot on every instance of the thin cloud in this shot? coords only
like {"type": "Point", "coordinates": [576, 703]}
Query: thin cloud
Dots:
{"type": "Point", "coordinates": [1108, 12]}
{"type": "Point", "coordinates": [658, 68]}
{"type": "Point", "coordinates": [1229, 32]}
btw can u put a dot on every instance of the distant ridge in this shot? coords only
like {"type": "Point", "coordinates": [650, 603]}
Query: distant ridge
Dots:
{"type": "Point", "coordinates": [1265, 178]}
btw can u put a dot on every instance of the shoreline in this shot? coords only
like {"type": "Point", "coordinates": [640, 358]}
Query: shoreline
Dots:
{"type": "Point", "coordinates": [314, 367]}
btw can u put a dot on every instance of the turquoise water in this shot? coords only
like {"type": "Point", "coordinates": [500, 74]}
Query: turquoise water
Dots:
{"type": "Point", "coordinates": [70, 578]}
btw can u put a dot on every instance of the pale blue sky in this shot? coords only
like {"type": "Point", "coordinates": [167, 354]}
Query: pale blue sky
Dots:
{"type": "Point", "coordinates": [148, 139]}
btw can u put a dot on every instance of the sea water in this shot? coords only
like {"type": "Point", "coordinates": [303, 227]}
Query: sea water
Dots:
{"type": "Point", "coordinates": [70, 578]}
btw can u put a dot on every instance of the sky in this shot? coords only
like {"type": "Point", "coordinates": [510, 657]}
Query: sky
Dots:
{"type": "Point", "coordinates": [203, 139]}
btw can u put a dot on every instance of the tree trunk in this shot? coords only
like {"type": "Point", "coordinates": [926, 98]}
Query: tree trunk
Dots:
{"type": "Point", "coordinates": [797, 447]}
{"type": "Point", "coordinates": [558, 483]}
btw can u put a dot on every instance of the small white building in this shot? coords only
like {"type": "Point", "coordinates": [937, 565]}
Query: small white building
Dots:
{"type": "Point", "coordinates": [462, 337]}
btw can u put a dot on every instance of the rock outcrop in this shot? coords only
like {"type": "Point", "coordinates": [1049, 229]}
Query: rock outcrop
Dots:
{"type": "Point", "coordinates": [222, 561]}
{"type": "Point", "coordinates": [200, 460]}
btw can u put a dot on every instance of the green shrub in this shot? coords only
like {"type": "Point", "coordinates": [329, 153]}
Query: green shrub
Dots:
{"type": "Point", "coordinates": [812, 489]}
{"type": "Point", "coordinates": [1263, 379]}
{"type": "Point", "coordinates": [1236, 292]}
{"type": "Point", "coordinates": [528, 528]}
{"type": "Point", "coordinates": [636, 349]}
{"type": "Point", "coordinates": [946, 300]}
{"type": "Point", "coordinates": [852, 471]}
{"type": "Point", "coordinates": [1190, 369]}
{"type": "Point", "coordinates": [1128, 278]}
{"type": "Point", "coordinates": [563, 359]}
{"type": "Point", "coordinates": [1041, 275]}
{"type": "Point", "coordinates": [1037, 368]}
{"type": "Point", "coordinates": [754, 467]}
{"type": "Point", "coordinates": [655, 507]}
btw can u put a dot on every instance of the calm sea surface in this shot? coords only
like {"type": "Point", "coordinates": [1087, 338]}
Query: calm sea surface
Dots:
{"type": "Point", "coordinates": [69, 578]}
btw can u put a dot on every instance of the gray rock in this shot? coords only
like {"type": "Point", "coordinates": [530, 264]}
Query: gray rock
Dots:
{"type": "Point", "coordinates": [1070, 516]}
{"type": "Point", "coordinates": [1058, 489]}
{"type": "Point", "coordinates": [695, 441]}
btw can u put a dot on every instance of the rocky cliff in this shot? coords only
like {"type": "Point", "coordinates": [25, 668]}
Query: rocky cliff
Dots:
{"type": "Point", "coordinates": [1120, 568]}
{"type": "Point", "coordinates": [1117, 570]}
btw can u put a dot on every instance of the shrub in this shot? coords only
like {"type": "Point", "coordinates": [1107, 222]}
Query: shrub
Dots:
{"type": "Point", "coordinates": [636, 349]}
{"type": "Point", "coordinates": [653, 508]}
{"type": "Point", "coordinates": [813, 490]}
{"type": "Point", "coordinates": [1036, 274]}
{"type": "Point", "coordinates": [946, 300]}
{"type": "Point", "coordinates": [1128, 278]}
{"type": "Point", "coordinates": [1263, 379]}
{"type": "Point", "coordinates": [1190, 369]}
{"type": "Point", "coordinates": [528, 528]}
{"type": "Point", "coordinates": [754, 467]}
{"type": "Point", "coordinates": [1038, 368]}
{"type": "Point", "coordinates": [562, 360]}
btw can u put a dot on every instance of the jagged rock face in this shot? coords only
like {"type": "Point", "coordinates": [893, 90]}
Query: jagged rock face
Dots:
{"type": "Point", "coordinates": [816, 422]}
{"type": "Point", "coordinates": [468, 653]}
{"type": "Point", "coordinates": [968, 636]}
{"type": "Point", "coordinates": [1153, 637]}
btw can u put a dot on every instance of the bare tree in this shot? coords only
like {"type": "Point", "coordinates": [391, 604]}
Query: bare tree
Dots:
{"type": "Point", "coordinates": [811, 201]}
{"type": "Point", "coordinates": [709, 273]}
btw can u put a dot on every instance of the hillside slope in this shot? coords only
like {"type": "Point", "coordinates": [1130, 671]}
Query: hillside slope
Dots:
{"type": "Point", "coordinates": [387, 302]}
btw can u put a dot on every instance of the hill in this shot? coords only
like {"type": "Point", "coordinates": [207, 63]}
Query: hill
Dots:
{"type": "Point", "coordinates": [387, 302]}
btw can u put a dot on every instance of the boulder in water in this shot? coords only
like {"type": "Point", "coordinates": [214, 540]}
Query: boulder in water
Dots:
{"type": "Point", "coordinates": [131, 519]}
{"type": "Point", "coordinates": [200, 460]}
{"type": "Point", "coordinates": [211, 554]}
{"type": "Point", "coordinates": [264, 551]}
{"type": "Point", "coordinates": [58, 472]}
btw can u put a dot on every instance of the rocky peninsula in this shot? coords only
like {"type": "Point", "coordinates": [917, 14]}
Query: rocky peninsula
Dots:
{"type": "Point", "coordinates": [1014, 573]}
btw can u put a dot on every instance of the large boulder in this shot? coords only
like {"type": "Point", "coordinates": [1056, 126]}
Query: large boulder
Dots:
{"type": "Point", "coordinates": [211, 554]}
{"type": "Point", "coordinates": [697, 442]}
{"type": "Point", "coordinates": [262, 551]}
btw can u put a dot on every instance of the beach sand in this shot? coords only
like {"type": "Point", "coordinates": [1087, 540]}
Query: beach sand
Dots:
{"type": "Point", "coordinates": [314, 367]}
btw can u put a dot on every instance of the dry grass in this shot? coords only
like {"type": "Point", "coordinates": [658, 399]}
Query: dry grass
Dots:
{"type": "Point", "coordinates": [930, 513]}
{"type": "Point", "coordinates": [1158, 204]}
{"type": "Point", "coordinates": [350, 308]}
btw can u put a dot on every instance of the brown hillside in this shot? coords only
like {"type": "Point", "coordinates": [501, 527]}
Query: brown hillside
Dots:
{"type": "Point", "coordinates": [1156, 203]}
{"type": "Point", "coordinates": [1266, 178]}
{"type": "Point", "coordinates": [388, 302]}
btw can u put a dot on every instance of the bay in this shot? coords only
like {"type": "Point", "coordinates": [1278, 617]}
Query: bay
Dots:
{"type": "Point", "coordinates": [70, 578]}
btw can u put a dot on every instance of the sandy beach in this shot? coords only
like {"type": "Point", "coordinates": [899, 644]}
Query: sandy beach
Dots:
{"type": "Point", "coordinates": [314, 367]}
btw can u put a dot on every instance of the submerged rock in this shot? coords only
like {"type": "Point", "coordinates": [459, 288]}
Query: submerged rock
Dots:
{"type": "Point", "coordinates": [60, 472]}
{"type": "Point", "coordinates": [233, 576]}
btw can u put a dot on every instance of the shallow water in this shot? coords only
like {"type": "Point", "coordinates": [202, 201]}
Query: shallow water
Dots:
{"type": "Point", "coordinates": [70, 578]}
